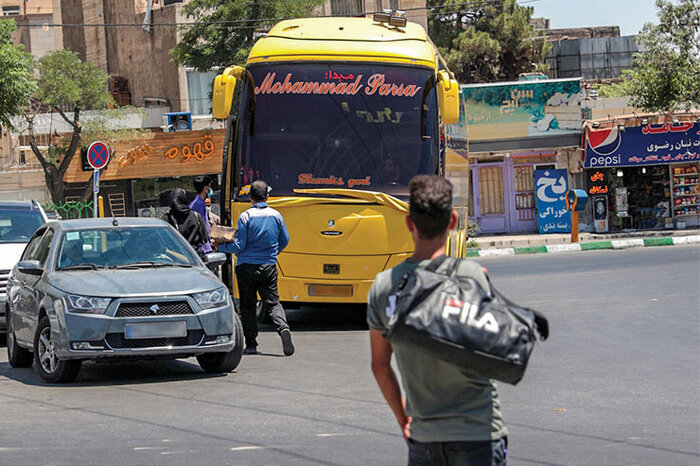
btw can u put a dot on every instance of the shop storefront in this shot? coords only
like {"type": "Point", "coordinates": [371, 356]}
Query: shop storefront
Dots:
{"type": "Point", "coordinates": [142, 172]}
{"type": "Point", "coordinates": [644, 176]}
{"type": "Point", "coordinates": [515, 129]}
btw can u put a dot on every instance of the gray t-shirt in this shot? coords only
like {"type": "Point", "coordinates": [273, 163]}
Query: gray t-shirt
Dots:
{"type": "Point", "coordinates": [446, 405]}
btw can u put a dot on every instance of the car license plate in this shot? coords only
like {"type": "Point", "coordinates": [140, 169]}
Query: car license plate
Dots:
{"type": "Point", "coordinates": [156, 329]}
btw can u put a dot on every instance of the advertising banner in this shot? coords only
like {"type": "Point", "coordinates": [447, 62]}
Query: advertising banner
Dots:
{"type": "Point", "coordinates": [643, 145]}
{"type": "Point", "coordinates": [552, 215]}
{"type": "Point", "coordinates": [521, 109]}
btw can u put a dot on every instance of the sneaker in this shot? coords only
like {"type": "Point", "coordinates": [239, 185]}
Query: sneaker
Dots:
{"type": "Point", "coordinates": [287, 345]}
{"type": "Point", "coordinates": [250, 350]}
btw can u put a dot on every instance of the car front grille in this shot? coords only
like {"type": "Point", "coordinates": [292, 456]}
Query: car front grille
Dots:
{"type": "Point", "coordinates": [4, 276]}
{"type": "Point", "coordinates": [117, 341]}
{"type": "Point", "coordinates": [165, 308]}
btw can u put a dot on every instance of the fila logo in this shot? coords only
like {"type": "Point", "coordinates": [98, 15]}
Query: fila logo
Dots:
{"type": "Point", "coordinates": [467, 315]}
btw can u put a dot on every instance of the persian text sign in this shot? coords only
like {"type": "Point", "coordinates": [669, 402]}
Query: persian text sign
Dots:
{"type": "Point", "coordinates": [375, 84]}
{"type": "Point", "coordinates": [521, 109]}
{"type": "Point", "coordinates": [643, 145]}
{"type": "Point", "coordinates": [552, 215]}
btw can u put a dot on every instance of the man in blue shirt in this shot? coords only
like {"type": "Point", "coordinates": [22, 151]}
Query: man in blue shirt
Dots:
{"type": "Point", "coordinates": [201, 186]}
{"type": "Point", "coordinates": [261, 236]}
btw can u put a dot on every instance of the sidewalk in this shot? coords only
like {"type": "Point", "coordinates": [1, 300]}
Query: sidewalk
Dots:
{"type": "Point", "coordinates": [502, 245]}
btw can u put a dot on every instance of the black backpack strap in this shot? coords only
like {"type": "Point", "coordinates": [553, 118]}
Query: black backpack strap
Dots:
{"type": "Point", "coordinates": [436, 263]}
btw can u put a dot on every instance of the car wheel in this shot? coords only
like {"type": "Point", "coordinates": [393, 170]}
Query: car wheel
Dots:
{"type": "Point", "coordinates": [225, 362]}
{"type": "Point", "coordinates": [50, 368]}
{"type": "Point", "coordinates": [16, 355]}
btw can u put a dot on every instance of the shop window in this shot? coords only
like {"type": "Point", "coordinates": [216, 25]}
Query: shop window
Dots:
{"type": "Point", "coordinates": [151, 196]}
{"type": "Point", "coordinates": [347, 7]}
{"type": "Point", "coordinates": [199, 86]}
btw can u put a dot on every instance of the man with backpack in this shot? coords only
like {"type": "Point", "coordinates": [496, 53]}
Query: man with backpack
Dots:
{"type": "Point", "coordinates": [448, 417]}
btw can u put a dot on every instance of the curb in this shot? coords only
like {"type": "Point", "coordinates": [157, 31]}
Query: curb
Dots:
{"type": "Point", "coordinates": [590, 246]}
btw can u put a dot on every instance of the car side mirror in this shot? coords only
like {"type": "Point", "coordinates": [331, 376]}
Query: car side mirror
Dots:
{"type": "Point", "coordinates": [214, 259]}
{"type": "Point", "coordinates": [30, 267]}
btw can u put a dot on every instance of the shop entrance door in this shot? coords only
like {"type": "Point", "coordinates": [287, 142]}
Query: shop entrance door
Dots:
{"type": "Point", "coordinates": [489, 205]}
{"type": "Point", "coordinates": [523, 215]}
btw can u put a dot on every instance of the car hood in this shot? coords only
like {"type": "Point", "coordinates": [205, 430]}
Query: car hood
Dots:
{"type": "Point", "coordinates": [10, 253]}
{"type": "Point", "coordinates": [140, 282]}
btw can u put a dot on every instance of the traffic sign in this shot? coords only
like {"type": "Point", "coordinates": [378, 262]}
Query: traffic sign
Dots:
{"type": "Point", "coordinates": [96, 184]}
{"type": "Point", "coordinates": [98, 155]}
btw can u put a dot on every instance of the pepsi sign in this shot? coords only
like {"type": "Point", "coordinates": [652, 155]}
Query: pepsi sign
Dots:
{"type": "Point", "coordinates": [643, 145]}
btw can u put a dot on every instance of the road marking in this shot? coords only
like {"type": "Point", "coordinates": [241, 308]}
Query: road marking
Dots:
{"type": "Point", "coordinates": [148, 448]}
{"type": "Point", "coordinates": [563, 247]}
{"type": "Point", "coordinates": [627, 243]}
{"type": "Point", "coordinates": [247, 447]}
{"type": "Point", "coordinates": [496, 252]}
{"type": "Point", "coordinates": [686, 239]}
{"type": "Point", "coordinates": [331, 435]}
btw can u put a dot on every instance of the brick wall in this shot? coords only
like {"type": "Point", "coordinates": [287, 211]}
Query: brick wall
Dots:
{"type": "Point", "coordinates": [144, 58]}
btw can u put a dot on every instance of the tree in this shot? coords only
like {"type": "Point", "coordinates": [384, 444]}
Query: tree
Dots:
{"type": "Point", "coordinates": [665, 75]}
{"type": "Point", "coordinates": [16, 84]}
{"type": "Point", "coordinates": [225, 30]}
{"type": "Point", "coordinates": [486, 41]}
{"type": "Point", "coordinates": [68, 86]}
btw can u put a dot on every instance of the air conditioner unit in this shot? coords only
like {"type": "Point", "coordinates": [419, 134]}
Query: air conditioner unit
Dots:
{"type": "Point", "coordinates": [178, 121]}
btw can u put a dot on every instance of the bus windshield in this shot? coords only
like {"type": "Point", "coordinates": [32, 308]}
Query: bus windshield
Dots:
{"type": "Point", "coordinates": [337, 125]}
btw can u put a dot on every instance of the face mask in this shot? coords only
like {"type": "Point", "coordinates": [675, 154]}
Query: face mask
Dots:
{"type": "Point", "coordinates": [209, 193]}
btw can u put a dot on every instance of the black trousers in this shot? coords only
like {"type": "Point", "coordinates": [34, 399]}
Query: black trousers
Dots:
{"type": "Point", "coordinates": [485, 453]}
{"type": "Point", "coordinates": [254, 279]}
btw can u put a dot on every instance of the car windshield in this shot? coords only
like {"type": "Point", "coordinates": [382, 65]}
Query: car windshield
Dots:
{"type": "Point", "coordinates": [18, 226]}
{"type": "Point", "coordinates": [359, 126]}
{"type": "Point", "coordinates": [122, 248]}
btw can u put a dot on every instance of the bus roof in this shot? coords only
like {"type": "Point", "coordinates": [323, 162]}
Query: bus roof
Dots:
{"type": "Point", "coordinates": [348, 39]}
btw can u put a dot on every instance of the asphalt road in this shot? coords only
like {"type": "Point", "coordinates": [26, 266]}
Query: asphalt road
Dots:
{"type": "Point", "coordinates": [617, 383]}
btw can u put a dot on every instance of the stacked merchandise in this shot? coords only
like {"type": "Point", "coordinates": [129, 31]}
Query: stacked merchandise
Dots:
{"type": "Point", "coordinates": [686, 190]}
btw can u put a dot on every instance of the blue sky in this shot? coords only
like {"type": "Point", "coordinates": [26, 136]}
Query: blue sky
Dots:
{"type": "Point", "coordinates": [630, 15]}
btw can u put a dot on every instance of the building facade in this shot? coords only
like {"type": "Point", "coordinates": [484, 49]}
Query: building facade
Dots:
{"type": "Point", "coordinates": [513, 132]}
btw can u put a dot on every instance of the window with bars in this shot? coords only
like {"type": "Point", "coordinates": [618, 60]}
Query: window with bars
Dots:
{"type": "Point", "coordinates": [12, 10]}
{"type": "Point", "coordinates": [347, 7]}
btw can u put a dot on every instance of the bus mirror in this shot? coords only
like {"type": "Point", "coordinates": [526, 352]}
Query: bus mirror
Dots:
{"type": "Point", "coordinates": [222, 97]}
{"type": "Point", "coordinates": [448, 98]}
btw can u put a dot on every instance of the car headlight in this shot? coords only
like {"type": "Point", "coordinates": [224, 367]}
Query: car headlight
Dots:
{"type": "Point", "coordinates": [210, 299]}
{"type": "Point", "coordinates": [86, 304]}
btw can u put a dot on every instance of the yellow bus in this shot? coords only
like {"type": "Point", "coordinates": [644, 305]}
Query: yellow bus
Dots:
{"type": "Point", "coordinates": [337, 115]}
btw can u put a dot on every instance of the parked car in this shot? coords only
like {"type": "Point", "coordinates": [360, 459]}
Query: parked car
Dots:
{"type": "Point", "coordinates": [18, 222]}
{"type": "Point", "coordinates": [94, 289]}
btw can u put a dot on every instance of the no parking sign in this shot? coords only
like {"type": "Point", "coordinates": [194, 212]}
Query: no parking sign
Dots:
{"type": "Point", "coordinates": [98, 157]}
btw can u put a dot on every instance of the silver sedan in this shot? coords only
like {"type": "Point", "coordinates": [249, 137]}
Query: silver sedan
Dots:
{"type": "Point", "coordinates": [117, 288]}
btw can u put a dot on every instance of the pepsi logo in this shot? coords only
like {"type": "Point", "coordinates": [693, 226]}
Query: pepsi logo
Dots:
{"type": "Point", "coordinates": [604, 141]}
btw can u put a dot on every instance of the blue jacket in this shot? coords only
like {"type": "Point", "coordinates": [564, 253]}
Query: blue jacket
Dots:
{"type": "Point", "coordinates": [261, 235]}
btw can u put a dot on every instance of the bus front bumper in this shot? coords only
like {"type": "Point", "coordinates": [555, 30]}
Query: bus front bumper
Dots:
{"type": "Point", "coordinates": [306, 290]}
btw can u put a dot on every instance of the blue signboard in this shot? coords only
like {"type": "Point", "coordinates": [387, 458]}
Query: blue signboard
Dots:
{"type": "Point", "coordinates": [551, 187]}
{"type": "Point", "coordinates": [643, 145]}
